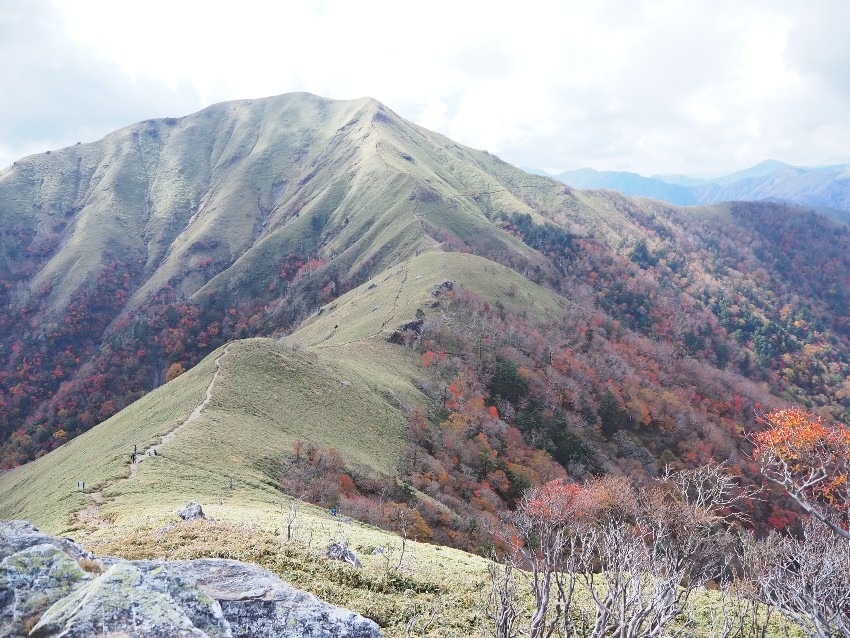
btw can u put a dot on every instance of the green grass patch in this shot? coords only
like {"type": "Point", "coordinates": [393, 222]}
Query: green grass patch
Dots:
{"type": "Point", "coordinates": [266, 397]}
{"type": "Point", "coordinates": [372, 310]}
{"type": "Point", "coordinates": [44, 491]}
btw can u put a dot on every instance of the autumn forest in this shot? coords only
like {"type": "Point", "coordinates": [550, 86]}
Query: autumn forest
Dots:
{"type": "Point", "coordinates": [627, 344]}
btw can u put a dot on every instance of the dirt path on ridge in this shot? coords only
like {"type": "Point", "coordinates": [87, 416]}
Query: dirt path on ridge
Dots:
{"type": "Point", "coordinates": [404, 270]}
{"type": "Point", "coordinates": [196, 413]}
{"type": "Point", "coordinates": [100, 499]}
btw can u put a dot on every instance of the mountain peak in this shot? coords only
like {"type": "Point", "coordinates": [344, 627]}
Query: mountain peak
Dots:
{"type": "Point", "coordinates": [762, 169]}
{"type": "Point", "coordinates": [771, 165]}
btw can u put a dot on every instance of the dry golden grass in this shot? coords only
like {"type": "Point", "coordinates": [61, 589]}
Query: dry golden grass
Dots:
{"type": "Point", "coordinates": [446, 583]}
{"type": "Point", "coordinates": [429, 575]}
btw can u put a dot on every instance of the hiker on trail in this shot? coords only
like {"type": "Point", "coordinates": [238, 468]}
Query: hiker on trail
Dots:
{"type": "Point", "coordinates": [133, 457]}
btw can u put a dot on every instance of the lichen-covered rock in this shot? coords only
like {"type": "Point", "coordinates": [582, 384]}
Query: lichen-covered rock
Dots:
{"type": "Point", "coordinates": [339, 551]}
{"type": "Point", "coordinates": [258, 603]}
{"type": "Point", "coordinates": [136, 600]}
{"type": "Point", "coordinates": [191, 511]}
{"type": "Point", "coordinates": [72, 593]}
{"type": "Point", "coordinates": [31, 580]}
{"type": "Point", "coordinates": [18, 535]}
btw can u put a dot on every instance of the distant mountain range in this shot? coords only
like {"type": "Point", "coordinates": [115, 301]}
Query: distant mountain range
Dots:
{"type": "Point", "coordinates": [826, 188]}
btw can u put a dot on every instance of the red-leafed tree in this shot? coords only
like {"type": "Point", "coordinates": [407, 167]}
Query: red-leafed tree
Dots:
{"type": "Point", "coordinates": [638, 554]}
{"type": "Point", "coordinates": [811, 460]}
{"type": "Point", "coordinates": [807, 578]}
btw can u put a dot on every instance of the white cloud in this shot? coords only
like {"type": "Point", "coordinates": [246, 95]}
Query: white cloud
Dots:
{"type": "Point", "coordinates": [55, 94]}
{"type": "Point", "coordinates": [434, 115]}
{"type": "Point", "coordinates": [645, 85]}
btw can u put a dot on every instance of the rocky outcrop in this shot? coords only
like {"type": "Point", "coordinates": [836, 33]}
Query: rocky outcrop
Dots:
{"type": "Point", "coordinates": [190, 511]}
{"type": "Point", "coordinates": [412, 328]}
{"type": "Point", "coordinates": [31, 580]}
{"type": "Point", "coordinates": [50, 586]}
{"type": "Point", "coordinates": [138, 600]}
{"type": "Point", "coordinates": [18, 535]}
{"type": "Point", "coordinates": [258, 603]}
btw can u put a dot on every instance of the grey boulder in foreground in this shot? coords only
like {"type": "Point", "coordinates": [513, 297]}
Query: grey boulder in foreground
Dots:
{"type": "Point", "coordinates": [50, 586]}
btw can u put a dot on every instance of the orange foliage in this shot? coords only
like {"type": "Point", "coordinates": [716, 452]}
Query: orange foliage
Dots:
{"type": "Point", "coordinates": [808, 457]}
{"type": "Point", "coordinates": [556, 501]}
{"type": "Point", "coordinates": [346, 485]}
{"type": "Point", "coordinates": [174, 371]}
{"type": "Point", "coordinates": [406, 520]}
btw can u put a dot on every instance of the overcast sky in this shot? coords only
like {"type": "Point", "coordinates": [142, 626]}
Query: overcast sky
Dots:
{"type": "Point", "coordinates": [652, 86]}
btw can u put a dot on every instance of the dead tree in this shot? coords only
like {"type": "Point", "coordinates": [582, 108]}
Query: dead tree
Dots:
{"type": "Point", "coordinates": [638, 555]}
{"type": "Point", "coordinates": [807, 580]}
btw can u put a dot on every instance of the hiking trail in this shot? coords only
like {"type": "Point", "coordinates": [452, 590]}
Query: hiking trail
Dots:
{"type": "Point", "coordinates": [100, 499]}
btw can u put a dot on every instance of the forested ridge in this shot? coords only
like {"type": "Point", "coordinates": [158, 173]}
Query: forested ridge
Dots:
{"type": "Point", "coordinates": [676, 325]}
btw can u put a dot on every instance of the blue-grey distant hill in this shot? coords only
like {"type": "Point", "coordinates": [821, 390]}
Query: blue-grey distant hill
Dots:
{"type": "Point", "coordinates": [825, 187]}
{"type": "Point", "coordinates": [631, 184]}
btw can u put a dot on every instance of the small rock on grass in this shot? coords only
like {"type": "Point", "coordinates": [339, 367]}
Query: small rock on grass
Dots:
{"type": "Point", "coordinates": [191, 511]}
{"type": "Point", "coordinates": [339, 551]}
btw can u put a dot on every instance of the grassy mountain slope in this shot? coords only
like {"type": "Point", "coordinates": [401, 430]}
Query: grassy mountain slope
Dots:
{"type": "Point", "coordinates": [265, 397]}
{"type": "Point", "coordinates": [44, 491]}
{"type": "Point", "coordinates": [393, 298]}
{"type": "Point", "coordinates": [275, 174]}
{"type": "Point", "coordinates": [118, 255]}
{"type": "Point", "coordinates": [613, 334]}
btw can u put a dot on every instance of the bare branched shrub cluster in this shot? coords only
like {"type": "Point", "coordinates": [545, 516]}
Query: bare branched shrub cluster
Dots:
{"type": "Point", "coordinates": [609, 559]}
{"type": "Point", "coordinates": [312, 473]}
{"type": "Point", "coordinates": [806, 578]}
